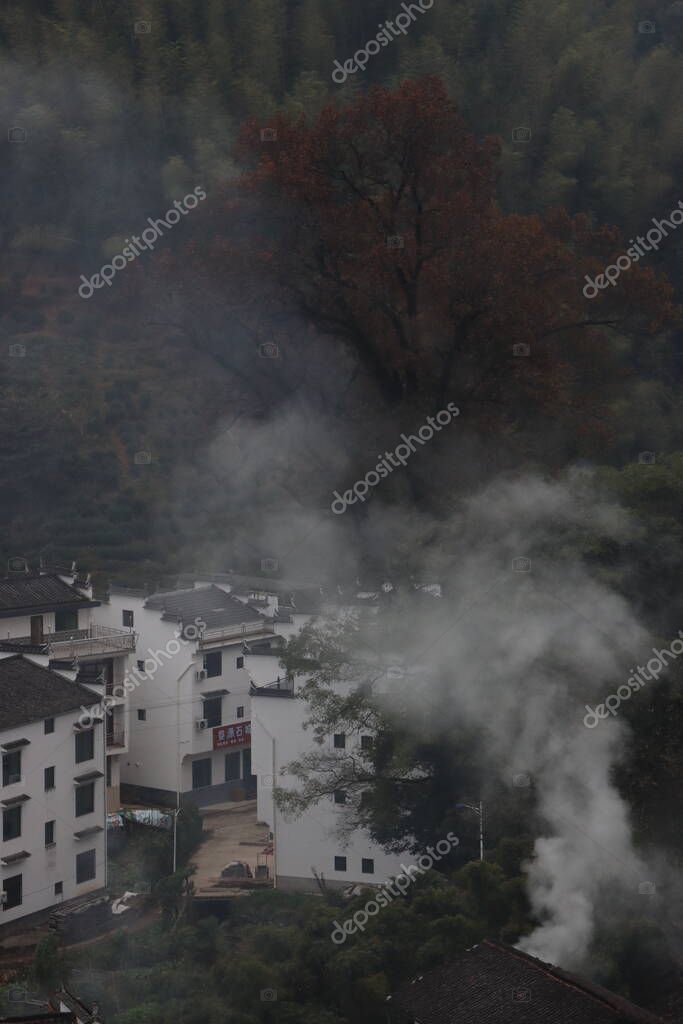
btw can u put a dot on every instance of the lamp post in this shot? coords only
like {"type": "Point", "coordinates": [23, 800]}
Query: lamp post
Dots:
{"type": "Point", "coordinates": [480, 811]}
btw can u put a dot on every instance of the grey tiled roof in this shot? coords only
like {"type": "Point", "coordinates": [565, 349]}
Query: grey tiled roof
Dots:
{"type": "Point", "coordinates": [29, 692]}
{"type": "Point", "coordinates": [33, 594]}
{"type": "Point", "coordinates": [496, 984]}
{"type": "Point", "coordinates": [211, 604]}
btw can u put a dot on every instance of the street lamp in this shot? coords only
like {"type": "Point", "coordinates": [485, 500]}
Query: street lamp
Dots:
{"type": "Point", "coordinates": [480, 811]}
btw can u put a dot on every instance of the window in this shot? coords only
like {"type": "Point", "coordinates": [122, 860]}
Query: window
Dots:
{"type": "Point", "coordinates": [141, 666]}
{"type": "Point", "coordinates": [213, 711]}
{"type": "Point", "coordinates": [49, 725]}
{"type": "Point", "coordinates": [240, 711]}
{"type": "Point", "coordinates": [201, 773]}
{"type": "Point", "coordinates": [340, 796]}
{"type": "Point", "coordinates": [85, 745]}
{"type": "Point", "coordinates": [367, 866]}
{"type": "Point", "coordinates": [65, 620]}
{"type": "Point", "coordinates": [11, 822]}
{"type": "Point", "coordinates": [85, 866]}
{"type": "Point", "coordinates": [85, 799]}
{"type": "Point", "coordinates": [213, 663]}
{"type": "Point", "coordinates": [232, 766]}
{"type": "Point", "coordinates": [340, 740]}
{"type": "Point", "coordinates": [366, 742]}
{"type": "Point", "coordinates": [12, 886]}
{"type": "Point", "coordinates": [109, 771]}
{"type": "Point", "coordinates": [240, 662]}
{"type": "Point", "coordinates": [142, 714]}
{"type": "Point", "coordinates": [11, 767]}
{"type": "Point", "coordinates": [49, 775]}
{"type": "Point", "coordinates": [340, 863]}
{"type": "Point", "coordinates": [59, 888]}
{"type": "Point", "coordinates": [127, 618]}
{"type": "Point", "coordinates": [49, 833]}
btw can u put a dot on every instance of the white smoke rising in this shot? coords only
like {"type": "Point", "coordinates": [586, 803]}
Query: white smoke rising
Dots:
{"type": "Point", "coordinates": [524, 650]}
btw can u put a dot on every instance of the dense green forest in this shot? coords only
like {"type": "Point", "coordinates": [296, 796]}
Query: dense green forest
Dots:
{"type": "Point", "coordinates": [128, 106]}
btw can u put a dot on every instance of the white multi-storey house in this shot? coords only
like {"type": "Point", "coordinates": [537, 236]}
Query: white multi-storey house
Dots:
{"type": "Point", "coordinates": [52, 789]}
{"type": "Point", "coordinates": [190, 735]}
{"type": "Point", "coordinates": [52, 613]}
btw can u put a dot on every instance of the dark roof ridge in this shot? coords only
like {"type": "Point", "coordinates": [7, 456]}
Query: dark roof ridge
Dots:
{"type": "Point", "coordinates": [619, 1004]}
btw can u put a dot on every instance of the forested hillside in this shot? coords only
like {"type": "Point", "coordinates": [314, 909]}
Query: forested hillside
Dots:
{"type": "Point", "coordinates": [126, 107]}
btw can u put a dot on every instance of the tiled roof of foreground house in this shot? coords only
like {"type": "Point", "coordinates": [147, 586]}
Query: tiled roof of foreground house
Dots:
{"type": "Point", "coordinates": [29, 692]}
{"type": "Point", "coordinates": [33, 594]}
{"type": "Point", "coordinates": [496, 984]}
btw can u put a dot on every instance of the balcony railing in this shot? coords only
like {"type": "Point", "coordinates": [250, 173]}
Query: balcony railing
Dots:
{"type": "Point", "coordinates": [95, 640]}
{"type": "Point", "coordinates": [245, 629]}
{"type": "Point", "coordinates": [117, 738]}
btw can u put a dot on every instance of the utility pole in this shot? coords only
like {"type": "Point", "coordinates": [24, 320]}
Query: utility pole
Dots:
{"type": "Point", "coordinates": [177, 769]}
{"type": "Point", "coordinates": [480, 811]}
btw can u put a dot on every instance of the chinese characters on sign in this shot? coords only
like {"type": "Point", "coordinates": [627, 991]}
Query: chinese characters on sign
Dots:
{"type": "Point", "coordinates": [231, 735]}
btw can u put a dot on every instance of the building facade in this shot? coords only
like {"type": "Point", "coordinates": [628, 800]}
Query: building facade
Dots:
{"type": "Point", "coordinates": [52, 789]}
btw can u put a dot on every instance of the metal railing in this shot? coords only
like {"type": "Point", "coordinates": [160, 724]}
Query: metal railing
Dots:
{"type": "Point", "coordinates": [245, 629]}
{"type": "Point", "coordinates": [96, 639]}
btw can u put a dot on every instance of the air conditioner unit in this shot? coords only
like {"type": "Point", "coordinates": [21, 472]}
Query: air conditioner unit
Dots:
{"type": "Point", "coordinates": [201, 674]}
{"type": "Point", "coordinates": [202, 723]}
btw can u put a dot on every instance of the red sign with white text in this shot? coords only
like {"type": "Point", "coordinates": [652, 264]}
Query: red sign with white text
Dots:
{"type": "Point", "coordinates": [231, 735]}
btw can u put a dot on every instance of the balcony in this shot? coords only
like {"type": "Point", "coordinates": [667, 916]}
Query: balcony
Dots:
{"type": "Point", "coordinates": [227, 634]}
{"type": "Point", "coordinates": [279, 688]}
{"type": "Point", "coordinates": [116, 739]}
{"type": "Point", "coordinates": [94, 641]}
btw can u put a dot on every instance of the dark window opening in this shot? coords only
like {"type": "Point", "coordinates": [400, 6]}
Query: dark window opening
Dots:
{"type": "Point", "coordinates": [12, 886]}
{"type": "Point", "coordinates": [340, 796]}
{"type": "Point", "coordinates": [340, 863]}
{"type": "Point", "coordinates": [66, 620]}
{"type": "Point", "coordinates": [232, 766]}
{"type": "Point", "coordinates": [11, 823]}
{"type": "Point", "coordinates": [201, 773]}
{"type": "Point", "coordinates": [240, 711]}
{"type": "Point", "coordinates": [49, 833]}
{"type": "Point", "coordinates": [85, 799]}
{"type": "Point", "coordinates": [240, 662]}
{"type": "Point", "coordinates": [367, 866]}
{"type": "Point", "coordinates": [213, 711]}
{"type": "Point", "coordinates": [213, 663]}
{"type": "Point", "coordinates": [340, 740]}
{"type": "Point", "coordinates": [86, 868]}
{"type": "Point", "coordinates": [142, 715]}
{"type": "Point", "coordinates": [85, 745]}
{"type": "Point", "coordinates": [49, 725]}
{"type": "Point", "coordinates": [11, 767]}
{"type": "Point", "coordinates": [49, 776]}
{"type": "Point", "coordinates": [127, 618]}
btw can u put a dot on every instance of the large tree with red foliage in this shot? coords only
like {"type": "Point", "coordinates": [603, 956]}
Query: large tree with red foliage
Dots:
{"type": "Point", "coordinates": [378, 225]}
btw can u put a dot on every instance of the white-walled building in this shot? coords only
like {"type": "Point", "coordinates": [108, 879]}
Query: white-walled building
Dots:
{"type": "Point", "coordinates": [306, 845]}
{"type": "Point", "coordinates": [190, 701]}
{"type": "Point", "coordinates": [52, 789]}
{"type": "Point", "coordinates": [53, 614]}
